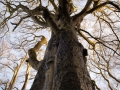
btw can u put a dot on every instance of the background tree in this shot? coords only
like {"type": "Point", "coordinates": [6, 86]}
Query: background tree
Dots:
{"type": "Point", "coordinates": [95, 21]}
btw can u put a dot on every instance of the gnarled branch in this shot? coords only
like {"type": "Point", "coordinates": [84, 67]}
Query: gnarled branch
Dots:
{"type": "Point", "coordinates": [32, 54]}
{"type": "Point", "coordinates": [102, 5]}
{"type": "Point", "coordinates": [79, 17]}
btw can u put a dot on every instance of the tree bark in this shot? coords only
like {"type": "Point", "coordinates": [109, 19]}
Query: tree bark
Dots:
{"type": "Point", "coordinates": [44, 77]}
{"type": "Point", "coordinates": [71, 70]}
{"type": "Point", "coordinates": [64, 65]}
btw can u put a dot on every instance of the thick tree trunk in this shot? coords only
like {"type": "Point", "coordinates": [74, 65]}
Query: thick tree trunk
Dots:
{"type": "Point", "coordinates": [64, 65]}
{"type": "Point", "coordinates": [70, 64]}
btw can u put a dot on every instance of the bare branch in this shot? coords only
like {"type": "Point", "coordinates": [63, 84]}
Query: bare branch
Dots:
{"type": "Point", "coordinates": [102, 5]}
{"type": "Point", "coordinates": [36, 20]}
{"type": "Point", "coordinates": [32, 54]}
{"type": "Point", "coordinates": [111, 28]}
{"type": "Point", "coordinates": [86, 7]}
{"type": "Point", "coordinates": [87, 39]}
{"type": "Point", "coordinates": [54, 5]}
{"type": "Point", "coordinates": [49, 20]}
{"type": "Point", "coordinates": [99, 41]}
{"type": "Point", "coordinates": [17, 24]}
{"type": "Point", "coordinates": [115, 5]}
{"type": "Point", "coordinates": [79, 17]}
{"type": "Point", "coordinates": [26, 76]}
{"type": "Point", "coordinates": [40, 43]}
{"type": "Point", "coordinates": [110, 73]}
{"type": "Point", "coordinates": [31, 13]}
{"type": "Point", "coordinates": [106, 80]}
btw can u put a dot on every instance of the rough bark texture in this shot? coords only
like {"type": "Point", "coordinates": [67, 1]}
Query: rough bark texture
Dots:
{"type": "Point", "coordinates": [64, 65]}
{"type": "Point", "coordinates": [44, 77]}
{"type": "Point", "coordinates": [70, 71]}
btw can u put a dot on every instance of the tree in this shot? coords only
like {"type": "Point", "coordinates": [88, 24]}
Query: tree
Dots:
{"type": "Point", "coordinates": [64, 66]}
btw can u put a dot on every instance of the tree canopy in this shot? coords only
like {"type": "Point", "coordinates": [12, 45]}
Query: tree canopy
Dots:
{"type": "Point", "coordinates": [22, 26]}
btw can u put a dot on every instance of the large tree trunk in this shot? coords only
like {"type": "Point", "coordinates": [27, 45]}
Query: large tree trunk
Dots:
{"type": "Point", "coordinates": [64, 65]}
{"type": "Point", "coordinates": [70, 64]}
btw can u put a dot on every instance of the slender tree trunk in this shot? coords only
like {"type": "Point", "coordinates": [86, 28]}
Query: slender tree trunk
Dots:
{"type": "Point", "coordinates": [26, 77]}
{"type": "Point", "coordinates": [15, 75]}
